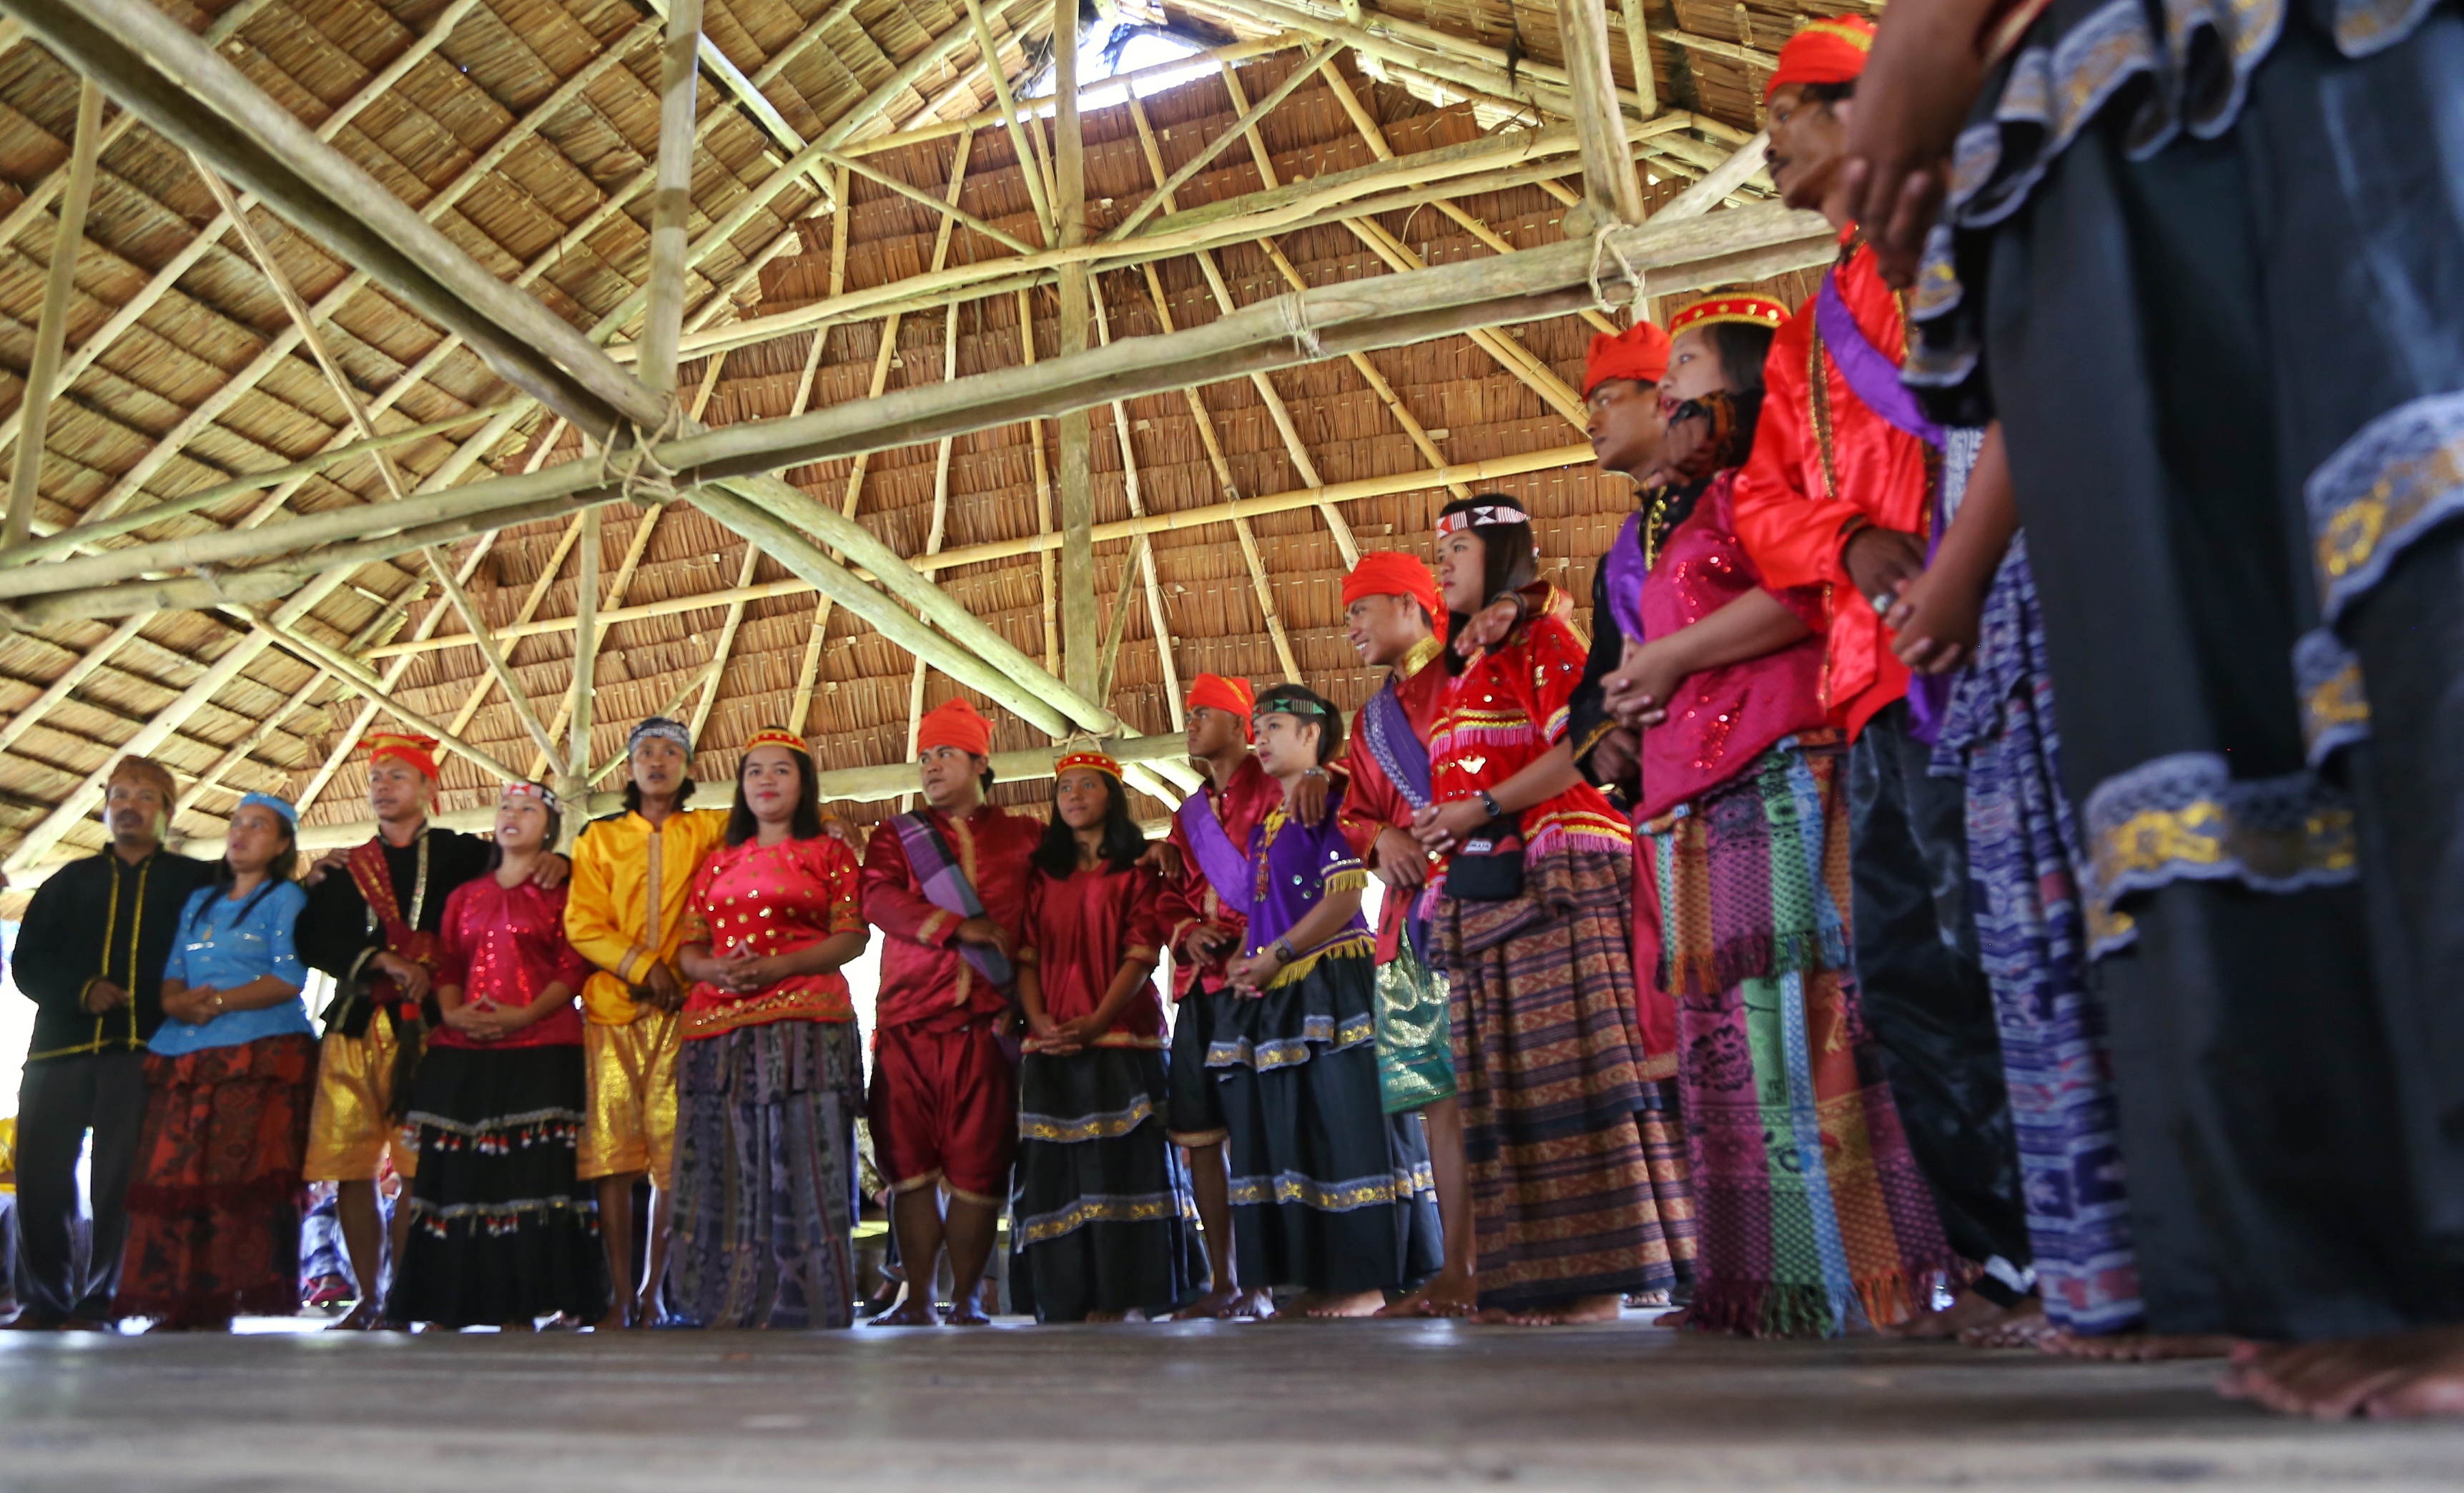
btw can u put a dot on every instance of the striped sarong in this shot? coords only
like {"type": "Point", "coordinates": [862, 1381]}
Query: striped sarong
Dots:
{"type": "Point", "coordinates": [1815, 1219]}
{"type": "Point", "coordinates": [1550, 1066]}
{"type": "Point", "coordinates": [764, 1202]}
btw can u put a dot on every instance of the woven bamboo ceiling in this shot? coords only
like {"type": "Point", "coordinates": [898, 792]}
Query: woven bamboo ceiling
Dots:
{"type": "Point", "coordinates": [843, 147]}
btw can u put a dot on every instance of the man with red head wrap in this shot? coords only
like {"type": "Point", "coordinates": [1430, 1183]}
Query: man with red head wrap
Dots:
{"type": "Point", "coordinates": [947, 886]}
{"type": "Point", "coordinates": [374, 918]}
{"type": "Point", "coordinates": [1842, 493]}
{"type": "Point", "coordinates": [1202, 933]}
{"type": "Point", "coordinates": [1393, 615]}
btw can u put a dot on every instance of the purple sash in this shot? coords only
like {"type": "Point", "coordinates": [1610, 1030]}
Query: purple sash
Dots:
{"type": "Point", "coordinates": [1404, 758]}
{"type": "Point", "coordinates": [1223, 863]}
{"type": "Point", "coordinates": [1875, 380]}
{"type": "Point", "coordinates": [1624, 570]}
{"type": "Point", "coordinates": [946, 887]}
{"type": "Point", "coordinates": [1871, 374]}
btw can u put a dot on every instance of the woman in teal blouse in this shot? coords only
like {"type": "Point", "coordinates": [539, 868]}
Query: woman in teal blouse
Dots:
{"type": "Point", "coordinates": [214, 1209]}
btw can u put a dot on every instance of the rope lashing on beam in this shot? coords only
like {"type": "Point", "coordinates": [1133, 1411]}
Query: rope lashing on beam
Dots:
{"type": "Point", "coordinates": [1295, 315]}
{"type": "Point", "coordinates": [644, 479]}
{"type": "Point", "coordinates": [1604, 247]}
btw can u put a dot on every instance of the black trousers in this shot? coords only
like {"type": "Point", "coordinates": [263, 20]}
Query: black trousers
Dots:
{"type": "Point", "coordinates": [1925, 995]}
{"type": "Point", "coordinates": [58, 1100]}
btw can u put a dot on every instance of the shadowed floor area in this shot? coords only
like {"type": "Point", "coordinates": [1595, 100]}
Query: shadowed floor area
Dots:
{"type": "Point", "coordinates": [1273, 1407]}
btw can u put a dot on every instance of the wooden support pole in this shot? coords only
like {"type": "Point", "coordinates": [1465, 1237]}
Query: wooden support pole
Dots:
{"type": "Point", "coordinates": [1050, 588]}
{"type": "Point", "coordinates": [1009, 107]}
{"type": "Point", "coordinates": [1146, 563]}
{"type": "Point", "coordinates": [586, 638]}
{"type": "Point", "coordinates": [1609, 183]}
{"type": "Point", "coordinates": [1080, 642]}
{"type": "Point", "coordinates": [1638, 42]}
{"type": "Point", "coordinates": [378, 629]}
{"type": "Point", "coordinates": [671, 205]}
{"type": "Point", "coordinates": [357, 678]}
{"type": "Point", "coordinates": [50, 334]}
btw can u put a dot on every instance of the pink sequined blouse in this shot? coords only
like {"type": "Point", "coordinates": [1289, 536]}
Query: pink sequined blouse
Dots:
{"type": "Point", "coordinates": [1722, 718]}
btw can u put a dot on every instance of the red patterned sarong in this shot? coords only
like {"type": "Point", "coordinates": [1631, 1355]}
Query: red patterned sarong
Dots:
{"type": "Point", "coordinates": [214, 1213]}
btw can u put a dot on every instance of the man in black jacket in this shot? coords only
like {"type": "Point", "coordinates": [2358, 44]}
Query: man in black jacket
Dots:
{"type": "Point", "coordinates": [90, 956]}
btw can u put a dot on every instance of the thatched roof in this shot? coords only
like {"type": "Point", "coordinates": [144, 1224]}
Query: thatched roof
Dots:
{"type": "Point", "coordinates": [211, 380]}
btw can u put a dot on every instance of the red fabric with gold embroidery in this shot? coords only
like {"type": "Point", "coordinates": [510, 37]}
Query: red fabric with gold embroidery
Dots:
{"type": "Point", "coordinates": [921, 973]}
{"type": "Point", "coordinates": [776, 899]}
{"type": "Point", "coordinates": [366, 862]}
{"type": "Point", "coordinates": [1800, 491]}
{"type": "Point", "coordinates": [1078, 934]}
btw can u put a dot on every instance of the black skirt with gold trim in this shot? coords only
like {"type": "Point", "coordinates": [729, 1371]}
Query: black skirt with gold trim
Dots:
{"type": "Point", "coordinates": [1101, 1216]}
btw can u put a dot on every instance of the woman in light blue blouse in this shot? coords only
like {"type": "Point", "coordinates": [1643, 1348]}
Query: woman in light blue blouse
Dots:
{"type": "Point", "coordinates": [214, 1209]}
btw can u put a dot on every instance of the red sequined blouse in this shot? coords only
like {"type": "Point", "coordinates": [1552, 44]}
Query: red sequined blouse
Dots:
{"type": "Point", "coordinates": [504, 946]}
{"type": "Point", "coordinates": [773, 899]}
{"type": "Point", "coordinates": [1504, 712]}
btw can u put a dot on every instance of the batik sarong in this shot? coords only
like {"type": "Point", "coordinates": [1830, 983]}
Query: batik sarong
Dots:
{"type": "Point", "coordinates": [2023, 851]}
{"type": "Point", "coordinates": [764, 1186]}
{"type": "Point", "coordinates": [214, 1213]}
{"type": "Point", "coordinates": [1550, 1068]}
{"type": "Point", "coordinates": [1815, 1219]}
{"type": "Point", "coordinates": [1100, 1219]}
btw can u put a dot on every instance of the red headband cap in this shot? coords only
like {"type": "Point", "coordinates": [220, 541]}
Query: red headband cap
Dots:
{"type": "Point", "coordinates": [419, 751]}
{"type": "Point", "coordinates": [954, 723]}
{"type": "Point", "coordinates": [1640, 352]}
{"type": "Point", "coordinates": [1829, 51]}
{"type": "Point", "coordinates": [1217, 692]}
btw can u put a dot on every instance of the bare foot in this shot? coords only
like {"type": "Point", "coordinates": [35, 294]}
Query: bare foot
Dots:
{"type": "Point", "coordinates": [1444, 1295]}
{"type": "Point", "coordinates": [366, 1317]}
{"type": "Point", "coordinates": [1647, 1300]}
{"type": "Point", "coordinates": [2136, 1347]}
{"type": "Point", "coordinates": [2435, 1386]}
{"type": "Point", "coordinates": [2021, 1326]}
{"type": "Point", "coordinates": [1257, 1304]}
{"type": "Point", "coordinates": [1358, 1304]}
{"type": "Point", "coordinates": [1572, 1313]}
{"type": "Point", "coordinates": [1681, 1319]}
{"type": "Point", "coordinates": [1218, 1302]}
{"type": "Point", "coordinates": [912, 1311]}
{"type": "Point", "coordinates": [968, 1311]}
{"type": "Point", "coordinates": [646, 1309]}
{"type": "Point", "coordinates": [1967, 1309]}
{"type": "Point", "coordinates": [2397, 1374]}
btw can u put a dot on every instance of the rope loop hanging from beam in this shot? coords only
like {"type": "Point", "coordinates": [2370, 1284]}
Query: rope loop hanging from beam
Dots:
{"type": "Point", "coordinates": [1604, 247]}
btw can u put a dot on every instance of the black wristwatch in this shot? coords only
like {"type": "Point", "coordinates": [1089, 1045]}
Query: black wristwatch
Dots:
{"type": "Point", "coordinates": [1488, 801]}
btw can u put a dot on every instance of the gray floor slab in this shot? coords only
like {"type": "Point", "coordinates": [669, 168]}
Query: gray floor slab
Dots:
{"type": "Point", "coordinates": [1268, 1407]}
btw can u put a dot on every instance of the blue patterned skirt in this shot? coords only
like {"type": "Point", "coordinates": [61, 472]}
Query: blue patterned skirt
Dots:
{"type": "Point", "coordinates": [2023, 851]}
{"type": "Point", "coordinates": [764, 1187]}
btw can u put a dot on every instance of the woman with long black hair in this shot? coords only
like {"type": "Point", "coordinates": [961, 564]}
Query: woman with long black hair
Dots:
{"type": "Point", "coordinates": [770, 1080]}
{"type": "Point", "coordinates": [214, 1206]}
{"type": "Point", "coordinates": [503, 1231]}
{"type": "Point", "coordinates": [1530, 918]}
{"type": "Point", "coordinates": [1101, 1214]}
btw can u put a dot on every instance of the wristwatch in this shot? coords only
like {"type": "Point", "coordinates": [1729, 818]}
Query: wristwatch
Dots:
{"type": "Point", "coordinates": [1282, 951]}
{"type": "Point", "coordinates": [1488, 801]}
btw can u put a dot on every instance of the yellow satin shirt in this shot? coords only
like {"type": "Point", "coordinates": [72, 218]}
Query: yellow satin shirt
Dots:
{"type": "Point", "coordinates": [626, 907]}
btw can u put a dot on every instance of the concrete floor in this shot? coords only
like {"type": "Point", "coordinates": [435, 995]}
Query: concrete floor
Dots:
{"type": "Point", "coordinates": [1276, 1408]}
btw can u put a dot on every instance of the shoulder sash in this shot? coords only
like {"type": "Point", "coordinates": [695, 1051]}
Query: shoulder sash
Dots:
{"type": "Point", "coordinates": [1872, 376]}
{"type": "Point", "coordinates": [1224, 865]}
{"type": "Point", "coordinates": [945, 885]}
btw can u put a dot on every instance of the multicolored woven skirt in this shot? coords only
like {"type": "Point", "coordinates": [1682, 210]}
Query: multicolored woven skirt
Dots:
{"type": "Point", "coordinates": [1565, 1198]}
{"type": "Point", "coordinates": [1815, 1220]}
{"type": "Point", "coordinates": [1329, 1193]}
{"type": "Point", "coordinates": [1416, 1050]}
{"type": "Point", "coordinates": [2022, 854]}
{"type": "Point", "coordinates": [501, 1227]}
{"type": "Point", "coordinates": [765, 1182]}
{"type": "Point", "coordinates": [1100, 1215]}
{"type": "Point", "coordinates": [214, 1213]}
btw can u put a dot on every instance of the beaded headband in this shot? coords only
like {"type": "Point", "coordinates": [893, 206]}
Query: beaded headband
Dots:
{"type": "Point", "coordinates": [1488, 515]}
{"type": "Point", "coordinates": [659, 727]}
{"type": "Point", "coordinates": [1097, 760]}
{"type": "Point", "coordinates": [1742, 310]}
{"type": "Point", "coordinates": [776, 736]}
{"type": "Point", "coordinates": [534, 790]}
